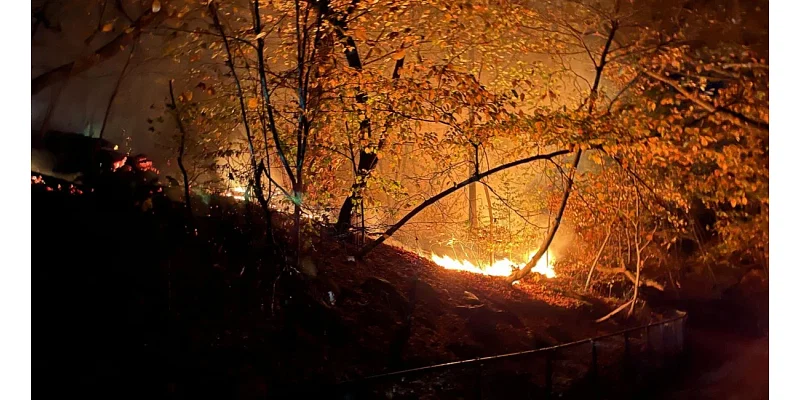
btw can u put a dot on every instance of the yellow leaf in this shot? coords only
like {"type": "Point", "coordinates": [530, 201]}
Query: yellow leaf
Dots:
{"type": "Point", "coordinates": [156, 6]}
{"type": "Point", "coordinates": [188, 96]}
{"type": "Point", "coordinates": [252, 103]}
{"type": "Point", "coordinates": [108, 27]}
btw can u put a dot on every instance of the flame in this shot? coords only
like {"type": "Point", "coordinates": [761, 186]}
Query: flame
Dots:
{"type": "Point", "coordinates": [236, 192]}
{"type": "Point", "coordinates": [504, 267]}
{"type": "Point", "coordinates": [119, 164]}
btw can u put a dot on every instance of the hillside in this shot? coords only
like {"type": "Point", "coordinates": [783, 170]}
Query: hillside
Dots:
{"type": "Point", "coordinates": [194, 311]}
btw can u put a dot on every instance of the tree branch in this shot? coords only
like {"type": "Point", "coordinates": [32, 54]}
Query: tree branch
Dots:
{"type": "Point", "coordinates": [474, 178]}
{"type": "Point", "coordinates": [736, 117]}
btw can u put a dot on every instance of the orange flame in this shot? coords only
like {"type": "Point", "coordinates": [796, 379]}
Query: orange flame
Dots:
{"type": "Point", "coordinates": [504, 267]}
{"type": "Point", "coordinates": [119, 164]}
{"type": "Point", "coordinates": [236, 192]}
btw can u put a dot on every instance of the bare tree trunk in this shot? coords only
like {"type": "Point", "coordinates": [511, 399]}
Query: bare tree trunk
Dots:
{"type": "Point", "coordinates": [636, 283]}
{"type": "Point", "coordinates": [637, 240]}
{"type": "Point", "coordinates": [296, 232]}
{"type": "Point", "coordinates": [186, 193]}
{"type": "Point", "coordinates": [491, 221]}
{"type": "Point", "coordinates": [116, 90]}
{"type": "Point", "coordinates": [524, 271]}
{"type": "Point", "coordinates": [521, 273]}
{"type": "Point", "coordinates": [243, 110]}
{"type": "Point", "coordinates": [597, 258]}
{"type": "Point", "coordinates": [473, 193]}
{"type": "Point", "coordinates": [367, 160]}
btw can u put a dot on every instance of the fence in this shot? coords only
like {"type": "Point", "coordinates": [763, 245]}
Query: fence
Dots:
{"type": "Point", "coordinates": [608, 366]}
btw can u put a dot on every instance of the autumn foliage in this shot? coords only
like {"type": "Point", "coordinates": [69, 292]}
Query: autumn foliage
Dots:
{"type": "Point", "coordinates": [359, 111]}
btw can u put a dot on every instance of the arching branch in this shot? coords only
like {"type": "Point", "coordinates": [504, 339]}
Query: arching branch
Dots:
{"type": "Point", "coordinates": [474, 178]}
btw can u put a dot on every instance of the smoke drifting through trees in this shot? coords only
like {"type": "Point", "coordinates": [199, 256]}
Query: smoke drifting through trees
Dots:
{"type": "Point", "coordinates": [372, 112]}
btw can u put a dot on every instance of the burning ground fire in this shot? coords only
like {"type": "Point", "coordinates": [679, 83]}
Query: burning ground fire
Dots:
{"type": "Point", "coordinates": [237, 193]}
{"type": "Point", "coordinates": [502, 267]}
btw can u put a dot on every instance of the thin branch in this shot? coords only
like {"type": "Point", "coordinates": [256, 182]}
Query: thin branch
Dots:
{"type": "Point", "coordinates": [616, 310]}
{"type": "Point", "coordinates": [736, 117]}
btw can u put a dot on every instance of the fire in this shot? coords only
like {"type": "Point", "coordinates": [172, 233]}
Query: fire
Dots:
{"type": "Point", "coordinates": [119, 164]}
{"type": "Point", "coordinates": [504, 267]}
{"type": "Point", "coordinates": [237, 193]}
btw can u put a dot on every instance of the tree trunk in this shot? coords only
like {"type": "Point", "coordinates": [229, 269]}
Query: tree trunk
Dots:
{"type": "Point", "coordinates": [186, 192]}
{"type": "Point", "coordinates": [473, 194]}
{"type": "Point", "coordinates": [597, 258]}
{"type": "Point", "coordinates": [521, 273]}
{"type": "Point", "coordinates": [116, 90]}
{"type": "Point", "coordinates": [524, 271]}
{"type": "Point", "coordinates": [367, 160]}
{"type": "Point", "coordinates": [616, 310]}
{"type": "Point", "coordinates": [491, 222]}
{"type": "Point", "coordinates": [366, 163]}
{"type": "Point", "coordinates": [256, 167]}
{"type": "Point", "coordinates": [296, 233]}
{"type": "Point", "coordinates": [636, 284]}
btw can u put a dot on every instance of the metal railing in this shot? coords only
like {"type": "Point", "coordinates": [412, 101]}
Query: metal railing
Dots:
{"type": "Point", "coordinates": [605, 366]}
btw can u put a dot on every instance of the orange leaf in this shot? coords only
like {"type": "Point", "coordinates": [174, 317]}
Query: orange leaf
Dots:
{"type": "Point", "coordinates": [400, 54]}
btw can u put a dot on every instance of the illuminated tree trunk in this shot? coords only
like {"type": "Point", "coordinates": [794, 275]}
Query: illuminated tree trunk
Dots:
{"type": "Point", "coordinates": [368, 156]}
{"type": "Point", "coordinates": [551, 233]}
{"type": "Point", "coordinates": [473, 194]}
{"type": "Point", "coordinates": [597, 258]}
{"type": "Point", "coordinates": [593, 94]}
{"type": "Point", "coordinates": [491, 223]}
{"type": "Point", "coordinates": [257, 167]}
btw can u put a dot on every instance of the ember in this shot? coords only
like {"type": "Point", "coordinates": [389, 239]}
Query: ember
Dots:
{"type": "Point", "coordinates": [119, 164]}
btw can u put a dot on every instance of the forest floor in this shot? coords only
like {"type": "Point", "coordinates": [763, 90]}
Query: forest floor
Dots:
{"type": "Point", "coordinates": [135, 298]}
